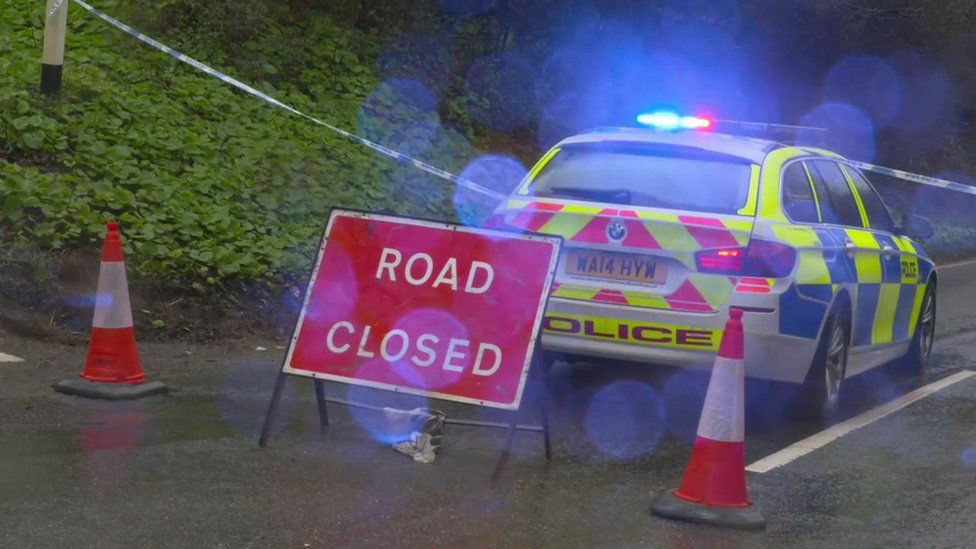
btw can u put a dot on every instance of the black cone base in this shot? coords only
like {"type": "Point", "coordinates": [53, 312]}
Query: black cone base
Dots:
{"type": "Point", "coordinates": [742, 518]}
{"type": "Point", "coordinates": [110, 391]}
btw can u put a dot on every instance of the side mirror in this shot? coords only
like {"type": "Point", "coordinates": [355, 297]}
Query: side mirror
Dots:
{"type": "Point", "coordinates": [915, 226]}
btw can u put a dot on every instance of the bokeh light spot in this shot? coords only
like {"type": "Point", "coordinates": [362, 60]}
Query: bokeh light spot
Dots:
{"type": "Point", "coordinates": [684, 393]}
{"type": "Point", "coordinates": [867, 82]}
{"type": "Point", "coordinates": [433, 376]}
{"type": "Point", "coordinates": [385, 428]}
{"type": "Point", "coordinates": [340, 285]}
{"type": "Point", "coordinates": [968, 456]}
{"type": "Point", "coordinates": [850, 131]}
{"type": "Point", "coordinates": [498, 173]}
{"type": "Point", "coordinates": [625, 420]}
{"type": "Point", "coordinates": [401, 113]}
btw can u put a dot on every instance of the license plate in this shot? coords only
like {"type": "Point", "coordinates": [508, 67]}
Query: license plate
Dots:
{"type": "Point", "coordinates": [616, 266]}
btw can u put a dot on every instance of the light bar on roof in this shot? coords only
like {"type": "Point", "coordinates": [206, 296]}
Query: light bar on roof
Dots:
{"type": "Point", "coordinates": [666, 120]}
{"type": "Point", "coordinates": [764, 126]}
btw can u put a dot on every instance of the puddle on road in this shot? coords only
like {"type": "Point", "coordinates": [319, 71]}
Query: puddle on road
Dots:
{"type": "Point", "coordinates": [95, 426]}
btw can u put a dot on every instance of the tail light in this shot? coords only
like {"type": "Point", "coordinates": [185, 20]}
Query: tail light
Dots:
{"type": "Point", "coordinates": [725, 260]}
{"type": "Point", "coordinates": [761, 258]}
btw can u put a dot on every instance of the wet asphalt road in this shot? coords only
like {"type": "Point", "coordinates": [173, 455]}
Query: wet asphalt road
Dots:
{"type": "Point", "coordinates": [184, 469]}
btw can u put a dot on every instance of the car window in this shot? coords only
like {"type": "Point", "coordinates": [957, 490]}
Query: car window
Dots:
{"type": "Point", "coordinates": [646, 174]}
{"type": "Point", "coordinates": [798, 198]}
{"type": "Point", "coordinates": [827, 212]}
{"type": "Point", "coordinates": [838, 192]}
{"type": "Point", "coordinates": [878, 215]}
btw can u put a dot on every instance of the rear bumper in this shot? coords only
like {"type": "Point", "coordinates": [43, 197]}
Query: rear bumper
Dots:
{"type": "Point", "coordinates": [677, 338]}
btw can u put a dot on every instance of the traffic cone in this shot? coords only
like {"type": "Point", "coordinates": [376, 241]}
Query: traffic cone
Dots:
{"type": "Point", "coordinates": [112, 370]}
{"type": "Point", "coordinates": [713, 489]}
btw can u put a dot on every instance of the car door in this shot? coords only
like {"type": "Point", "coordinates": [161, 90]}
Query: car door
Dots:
{"type": "Point", "coordinates": [864, 256]}
{"type": "Point", "coordinates": [900, 283]}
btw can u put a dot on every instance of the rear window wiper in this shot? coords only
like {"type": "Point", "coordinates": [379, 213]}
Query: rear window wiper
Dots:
{"type": "Point", "coordinates": [614, 196]}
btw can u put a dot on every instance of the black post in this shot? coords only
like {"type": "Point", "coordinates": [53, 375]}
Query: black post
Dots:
{"type": "Point", "coordinates": [50, 79]}
{"type": "Point", "coordinates": [272, 409]}
{"type": "Point", "coordinates": [323, 407]}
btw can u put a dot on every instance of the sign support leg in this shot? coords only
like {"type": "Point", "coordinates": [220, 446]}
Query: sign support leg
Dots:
{"type": "Point", "coordinates": [506, 450]}
{"type": "Point", "coordinates": [544, 411]}
{"type": "Point", "coordinates": [542, 374]}
{"type": "Point", "coordinates": [542, 363]}
{"type": "Point", "coordinates": [323, 409]}
{"type": "Point", "coordinates": [272, 409]}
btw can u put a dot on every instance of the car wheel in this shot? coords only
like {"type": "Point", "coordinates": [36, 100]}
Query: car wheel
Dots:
{"type": "Point", "coordinates": [822, 388]}
{"type": "Point", "coordinates": [920, 351]}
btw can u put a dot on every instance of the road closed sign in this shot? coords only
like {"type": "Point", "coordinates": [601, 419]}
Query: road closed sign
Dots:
{"type": "Point", "coordinates": [423, 307]}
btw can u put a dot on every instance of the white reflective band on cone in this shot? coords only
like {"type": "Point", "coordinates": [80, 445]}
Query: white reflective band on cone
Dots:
{"type": "Point", "coordinates": [722, 414]}
{"type": "Point", "coordinates": [112, 309]}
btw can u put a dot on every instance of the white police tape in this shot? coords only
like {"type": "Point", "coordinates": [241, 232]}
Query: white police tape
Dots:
{"type": "Point", "coordinates": [913, 177]}
{"type": "Point", "coordinates": [398, 156]}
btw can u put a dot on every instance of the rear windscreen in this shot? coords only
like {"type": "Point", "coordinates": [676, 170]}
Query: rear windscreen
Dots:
{"type": "Point", "coordinates": [641, 174]}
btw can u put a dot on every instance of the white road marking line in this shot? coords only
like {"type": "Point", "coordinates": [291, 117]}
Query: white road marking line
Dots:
{"type": "Point", "coordinates": [809, 444]}
{"type": "Point", "coordinates": [4, 357]}
{"type": "Point", "coordinates": [959, 264]}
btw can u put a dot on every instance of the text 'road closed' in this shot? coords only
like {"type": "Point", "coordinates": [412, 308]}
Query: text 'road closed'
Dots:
{"type": "Point", "coordinates": [427, 308]}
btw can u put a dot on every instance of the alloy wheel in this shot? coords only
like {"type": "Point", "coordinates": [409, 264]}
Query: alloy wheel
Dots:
{"type": "Point", "coordinates": [836, 362]}
{"type": "Point", "coordinates": [927, 328]}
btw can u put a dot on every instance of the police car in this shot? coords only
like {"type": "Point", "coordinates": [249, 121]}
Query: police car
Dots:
{"type": "Point", "coordinates": [668, 226]}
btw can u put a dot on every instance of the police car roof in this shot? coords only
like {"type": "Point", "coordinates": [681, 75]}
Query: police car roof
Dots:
{"type": "Point", "coordinates": [749, 148]}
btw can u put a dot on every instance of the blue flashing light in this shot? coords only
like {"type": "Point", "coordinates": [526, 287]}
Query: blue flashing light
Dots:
{"type": "Point", "coordinates": [664, 120]}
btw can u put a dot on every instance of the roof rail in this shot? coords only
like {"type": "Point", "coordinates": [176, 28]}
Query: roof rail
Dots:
{"type": "Point", "coordinates": [785, 133]}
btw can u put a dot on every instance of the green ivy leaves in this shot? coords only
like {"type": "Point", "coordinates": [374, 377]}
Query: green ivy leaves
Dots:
{"type": "Point", "coordinates": [208, 184]}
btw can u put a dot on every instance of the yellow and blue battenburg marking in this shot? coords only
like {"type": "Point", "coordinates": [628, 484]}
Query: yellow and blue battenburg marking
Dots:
{"type": "Point", "coordinates": [886, 276]}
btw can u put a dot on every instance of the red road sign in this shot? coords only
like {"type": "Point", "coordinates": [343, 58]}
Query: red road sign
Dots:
{"type": "Point", "coordinates": [423, 307]}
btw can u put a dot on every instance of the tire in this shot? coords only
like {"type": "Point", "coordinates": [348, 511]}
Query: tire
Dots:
{"type": "Point", "coordinates": [920, 351]}
{"type": "Point", "coordinates": [821, 391]}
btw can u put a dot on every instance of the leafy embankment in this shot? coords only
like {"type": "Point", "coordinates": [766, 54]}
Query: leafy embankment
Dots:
{"type": "Point", "coordinates": [209, 184]}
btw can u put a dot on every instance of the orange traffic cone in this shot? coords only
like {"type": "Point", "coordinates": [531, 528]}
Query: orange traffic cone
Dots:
{"type": "Point", "coordinates": [112, 354]}
{"type": "Point", "coordinates": [112, 370]}
{"type": "Point", "coordinates": [713, 489]}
